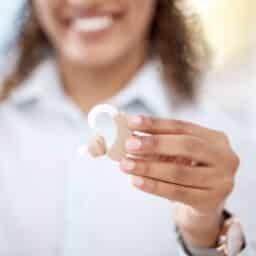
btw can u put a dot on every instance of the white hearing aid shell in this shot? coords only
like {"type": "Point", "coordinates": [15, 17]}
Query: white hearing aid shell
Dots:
{"type": "Point", "coordinates": [97, 147]}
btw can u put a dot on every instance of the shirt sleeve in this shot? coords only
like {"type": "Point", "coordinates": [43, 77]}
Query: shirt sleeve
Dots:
{"type": "Point", "coordinates": [185, 250]}
{"type": "Point", "coordinates": [209, 252]}
{"type": "Point", "coordinates": [192, 251]}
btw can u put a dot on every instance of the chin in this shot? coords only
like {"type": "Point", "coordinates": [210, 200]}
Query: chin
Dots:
{"type": "Point", "coordinates": [93, 57]}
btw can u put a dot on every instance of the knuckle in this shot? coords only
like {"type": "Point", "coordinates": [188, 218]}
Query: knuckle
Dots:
{"type": "Point", "coordinates": [146, 169]}
{"type": "Point", "coordinates": [177, 173]}
{"type": "Point", "coordinates": [236, 161]}
{"type": "Point", "coordinates": [229, 187]}
{"type": "Point", "coordinates": [149, 122]}
{"type": "Point", "coordinates": [153, 121]}
{"type": "Point", "coordinates": [155, 141]}
{"type": "Point", "coordinates": [204, 181]}
{"type": "Point", "coordinates": [175, 193]}
{"type": "Point", "coordinates": [151, 143]}
{"type": "Point", "coordinates": [223, 137]}
{"type": "Point", "coordinates": [178, 126]}
{"type": "Point", "coordinates": [188, 145]}
{"type": "Point", "coordinates": [153, 186]}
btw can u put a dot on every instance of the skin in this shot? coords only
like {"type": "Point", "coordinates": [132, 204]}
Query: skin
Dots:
{"type": "Point", "coordinates": [185, 163]}
{"type": "Point", "coordinates": [116, 54]}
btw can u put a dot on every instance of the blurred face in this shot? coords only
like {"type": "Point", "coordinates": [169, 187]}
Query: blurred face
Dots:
{"type": "Point", "coordinates": [95, 32]}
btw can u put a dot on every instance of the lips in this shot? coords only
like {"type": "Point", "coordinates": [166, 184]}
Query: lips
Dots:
{"type": "Point", "coordinates": [88, 21]}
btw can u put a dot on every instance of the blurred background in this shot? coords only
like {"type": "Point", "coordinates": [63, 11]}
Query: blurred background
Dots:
{"type": "Point", "coordinates": [230, 28]}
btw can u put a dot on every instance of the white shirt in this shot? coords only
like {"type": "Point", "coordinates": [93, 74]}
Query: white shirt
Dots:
{"type": "Point", "coordinates": [55, 202]}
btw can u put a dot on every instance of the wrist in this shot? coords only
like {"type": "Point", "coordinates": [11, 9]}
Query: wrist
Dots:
{"type": "Point", "coordinates": [231, 240]}
{"type": "Point", "coordinates": [200, 230]}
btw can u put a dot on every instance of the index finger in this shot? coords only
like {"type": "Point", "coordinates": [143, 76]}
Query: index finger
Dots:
{"type": "Point", "coordinates": [154, 125]}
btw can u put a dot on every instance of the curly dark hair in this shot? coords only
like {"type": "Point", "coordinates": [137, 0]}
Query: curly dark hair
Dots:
{"type": "Point", "coordinates": [176, 38]}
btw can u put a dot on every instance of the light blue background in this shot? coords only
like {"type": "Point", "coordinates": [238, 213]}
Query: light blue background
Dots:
{"type": "Point", "coordinates": [8, 25]}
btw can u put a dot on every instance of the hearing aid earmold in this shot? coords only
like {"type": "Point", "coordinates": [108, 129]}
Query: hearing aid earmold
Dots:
{"type": "Point", "coordinates": [97, 146]}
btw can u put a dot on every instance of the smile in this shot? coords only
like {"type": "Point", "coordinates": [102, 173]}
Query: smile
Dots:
{"type": "Point", "coordinates": [93, 24]}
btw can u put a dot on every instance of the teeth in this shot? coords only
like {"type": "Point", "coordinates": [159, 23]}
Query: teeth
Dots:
{"type": "Point", "coordinates": [93, 24]}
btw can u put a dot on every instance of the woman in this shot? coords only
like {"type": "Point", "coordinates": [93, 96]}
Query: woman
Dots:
{"type": "Point", "coordinates": [73, 55]}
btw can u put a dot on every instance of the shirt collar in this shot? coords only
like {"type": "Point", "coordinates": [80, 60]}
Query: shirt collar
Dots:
{"type": "Point", "coordinates": [42, 83]}
{"type": "Point", "coordinates": [147, 87]}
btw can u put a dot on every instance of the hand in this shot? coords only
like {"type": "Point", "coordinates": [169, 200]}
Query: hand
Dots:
{"type": "Point", "coordinates": [185, 163]}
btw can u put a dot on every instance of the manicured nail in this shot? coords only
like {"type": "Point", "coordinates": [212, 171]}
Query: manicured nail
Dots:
{"type": "Point", "coordinates": [133, 144]}
{"type": "Point", "coordinates": [135, 120]}
{"type": "Point", "coordinates": [127, 165]}
{"type": "Point", "coordinates": [137, 181]}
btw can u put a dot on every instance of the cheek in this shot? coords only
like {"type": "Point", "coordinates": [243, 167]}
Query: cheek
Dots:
{"type": "Point", "coordinates": [130, 35]}
{"type": "Point", "coordinates": [133, 30]}
{"type": "Point", "coordinates": [141, 14]}
{"type": "Point", "coordinates": [46, 14]}
{"type": "Point", "coordinates": [126, 36]}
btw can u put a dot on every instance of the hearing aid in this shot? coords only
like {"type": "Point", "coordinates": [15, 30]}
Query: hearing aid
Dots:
{"type": "Point", "coordinates": [97, 146]}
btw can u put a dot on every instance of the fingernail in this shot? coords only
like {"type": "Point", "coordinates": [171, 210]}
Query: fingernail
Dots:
{"type": "Point", "coordinates": [127, 165]}
{"type": "Point", "coordinates": [138, 181]}
{"type": "Point", "coordinates": [135, 120]}
{"type": "Point", "coordinates": [133, 144]}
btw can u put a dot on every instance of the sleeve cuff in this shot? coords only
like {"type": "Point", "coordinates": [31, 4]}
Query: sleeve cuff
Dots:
{"type": "Point", "coordinates": [186, 250]}
{"type": "Point", "coordinates": [234, 241]}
